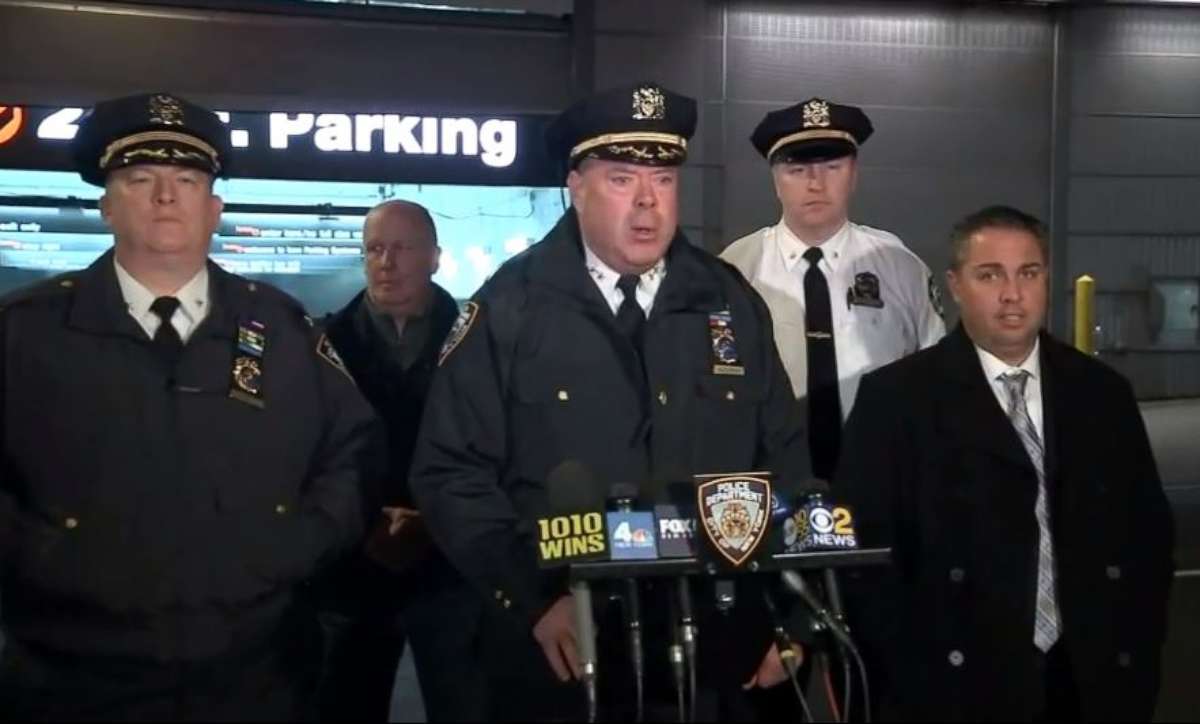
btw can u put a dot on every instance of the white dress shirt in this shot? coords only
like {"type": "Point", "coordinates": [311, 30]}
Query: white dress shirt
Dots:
{"type": "Point", "coordinates": [994, 368]}
{"type": "Point", "coordinates": [193, 302]}
{"type": "Point", "coordinates": [606, 281]}
{"type": "Point", "coordinates": [791, 255]}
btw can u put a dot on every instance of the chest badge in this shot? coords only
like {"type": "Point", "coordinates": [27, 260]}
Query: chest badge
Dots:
{"type": "Point", "coordinates": [864, 292]}
{"type": "Point", "coordinates": [246, 377]}
{"type": "Point", "coordinates": [724, 345]}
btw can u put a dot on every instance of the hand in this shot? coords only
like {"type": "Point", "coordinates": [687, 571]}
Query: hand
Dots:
{"type": "Point", "coordinates": [772, 671]}
{"type": "Point", "coordinates": [397, 517]}
{"type": "Point", "coordinates": [555, 633]}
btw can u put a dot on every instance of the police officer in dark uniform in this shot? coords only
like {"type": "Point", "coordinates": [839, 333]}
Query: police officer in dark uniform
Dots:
{"type": "Point", "coordinates": [616, 349]}
{"type": "Point", "coordinates": [180, 449]}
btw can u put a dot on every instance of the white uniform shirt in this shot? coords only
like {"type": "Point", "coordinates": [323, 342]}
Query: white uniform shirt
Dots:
{"type": "Point", "coordinates": [606, 280]}
{"type": "Point", "coordinates": [193, 302]}
{"type": "Point", "coordinates": [865, 337]}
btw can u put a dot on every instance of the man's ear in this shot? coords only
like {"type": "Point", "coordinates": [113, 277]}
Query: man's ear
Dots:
{"type": "Point", "coordinates": [953, 283]}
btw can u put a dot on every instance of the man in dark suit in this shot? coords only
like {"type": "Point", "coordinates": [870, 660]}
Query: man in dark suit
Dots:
{"type": "Point", "coordinates": [398, 585]}
{"type": "Point", "coordinates": [1015, 480]}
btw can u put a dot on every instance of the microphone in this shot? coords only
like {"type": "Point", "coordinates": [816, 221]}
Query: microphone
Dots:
{"type": "Point", "coordinates": [632, 537]}
{"type": "Point", "coordinates": [688, 633]}
{"type": "Point", "coordinates": [573, 531]}
{"type": "Point", "coordinates": [782, 641]}
{"type": "Point", "coordinates": [780, 523]}
{"type": "Point", "coordinates": [676, 535]}
{"type": "Point", "coordinates": [819, 525]}
{"type": "Point", "coordinates": [678, 668]}
{"type": "Point", "coordinates": [687, 619]}
{"type": "Point", "coordinates": [796, 584]}
{"type": "Point", "coordinates": [585, 635]}
{"type": "Point", "coordinates": [787, 654]}
{"type": "Point", "coordinates": [733, 512]}
{"type": "Point", "coordinates": [631, 532]}
{"type": "Point", "coordinates": [675, 531]}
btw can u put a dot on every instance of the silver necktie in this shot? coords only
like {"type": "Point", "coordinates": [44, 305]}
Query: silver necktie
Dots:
{"type": "Point", "coordinates": [1045, 625]}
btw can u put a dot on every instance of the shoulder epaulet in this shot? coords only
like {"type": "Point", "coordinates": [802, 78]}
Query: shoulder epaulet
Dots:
{"type": "Point", "coordinates": [273, 293]}
{"type": "Point", "coordinates": [458, 331]}
{"type": "Point", "coordinates": [323, 346]}
{"type": "Point", "coordinates": [738, 277]}
{"type": "Point", "coordinates": [326, 351]}
{"type": "Point", "coordinates": [881, 234]}
{"type": "Point", "coordinates": [60, 285]}
{"type": "Point", "coordinates": [891, 241]}
{"type": "Point", "coordinates": [265, 296]}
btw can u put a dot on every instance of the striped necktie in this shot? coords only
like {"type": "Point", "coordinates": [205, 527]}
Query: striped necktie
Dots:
{"type": "Point", "coordinates": [1045, 626]}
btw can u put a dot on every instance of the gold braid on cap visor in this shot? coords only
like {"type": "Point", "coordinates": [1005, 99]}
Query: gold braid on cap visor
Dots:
{"type": "Point", "coordinates": [629, 137]}
{"type": "Point", "coordinates": [173, 136]}
{"type": "Point", "coordinates": [811, 135]}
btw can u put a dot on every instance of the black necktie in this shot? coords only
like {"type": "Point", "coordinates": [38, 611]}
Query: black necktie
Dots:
{"type": "Point", "coordinates": [824, 403]}
{"type": "Point", "coordinates": [166, 340]}
{"type": "Point", "coordinates": [631, 319]}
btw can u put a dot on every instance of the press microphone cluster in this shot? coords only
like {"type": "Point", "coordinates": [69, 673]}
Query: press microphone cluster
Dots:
{"type": "Point", "coordinates": [581, 531]}
{"type": "Point", "coordinates": [719, 526]}
{"type": "Point", "coordinates": [820, 525]}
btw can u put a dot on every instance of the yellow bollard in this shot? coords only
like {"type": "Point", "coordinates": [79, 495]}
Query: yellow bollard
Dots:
{"type": "Point", "coordinates": [1085, 314]}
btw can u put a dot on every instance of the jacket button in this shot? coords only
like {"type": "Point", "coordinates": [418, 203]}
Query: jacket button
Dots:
{"type": "Point", "coordinates": [1123, 660]}
{"type": "Point", "coordinates": [562, 395]}
{"type": "Point", "coordinates": [1114, 573]}
{"type": "Point", "coordinates": [499, 595]}
{"type": "Point", "coordinates": [252, 287]}
{"type": "Point", "coordinates": [662, 397]}
{"type": "Point", "coordinates": [507, 603]}
{"type": "Point", "coordinates": [281, 509]}
{"type": "Point", "coordinates": [956, 658]}
{"type": "Point", "coordinates": [66, 284]}
{"type": "Point", "coordinates": [730, 396]}
{"type": "Point", "coordinates": [71, 523]}
{"type": "Point", "coordinates": [957, 575]}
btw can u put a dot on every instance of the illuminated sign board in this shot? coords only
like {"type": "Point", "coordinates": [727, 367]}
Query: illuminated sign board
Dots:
{"type": "Point", "coordinates": [385, 147]}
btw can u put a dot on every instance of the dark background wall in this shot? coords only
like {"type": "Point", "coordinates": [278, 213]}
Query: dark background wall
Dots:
{"type": "Point", "coordinates": [1134, 175]}
{"type": "Point", "coordinates": [355, 60]}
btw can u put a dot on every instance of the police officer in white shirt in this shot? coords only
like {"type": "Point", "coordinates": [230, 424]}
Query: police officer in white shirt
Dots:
{"type": "Point", "coordinates": [844, 298]}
